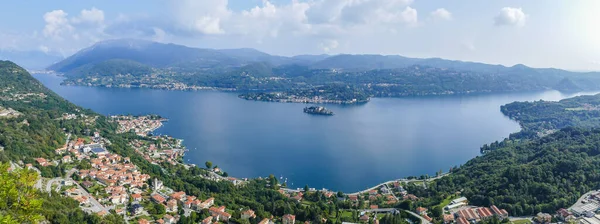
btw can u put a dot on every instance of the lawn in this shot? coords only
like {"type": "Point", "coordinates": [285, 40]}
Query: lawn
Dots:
{"type": "Point", "coordinates": [446, 201]}
{"type": "Point", "coordinates": [521, 221]}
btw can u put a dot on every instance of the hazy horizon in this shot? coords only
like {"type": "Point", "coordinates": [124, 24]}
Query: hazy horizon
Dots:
{"type": "Point", "coordinates": [540, 34]}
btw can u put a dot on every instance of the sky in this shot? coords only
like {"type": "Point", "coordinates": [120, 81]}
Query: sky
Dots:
{"type": "Point", "coordinates": [538, 33]}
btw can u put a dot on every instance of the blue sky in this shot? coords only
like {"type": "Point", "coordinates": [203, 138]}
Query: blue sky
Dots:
{"type": "Point", "coordinates": [539, 33]}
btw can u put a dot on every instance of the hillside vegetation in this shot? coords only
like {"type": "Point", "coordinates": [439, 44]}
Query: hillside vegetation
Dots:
{"type": "Point", "coordinates": [127, 63]}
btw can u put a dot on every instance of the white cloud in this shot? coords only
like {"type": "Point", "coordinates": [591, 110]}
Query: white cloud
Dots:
{"type": "Point", "coordinates": [56, 24]}
{"type": "Point", "coordinates": [510, 17]}
{"type": "Point", "coordinates": [441, 14]}
{"type": "Point", "coordinates": [92, 15]}
{"type": "Point", "coordinates": [329, 45]}
{"type": "Point", "coordinates": [44, 49]}
{"type": "Point", "coordinates": [159, 34]}
{"type": "Point", "coordinates": [468, 45]}
{"type": "Point", "coordinates": [409, 15]}
{"type": "Point", "coordinates": [203, 16]}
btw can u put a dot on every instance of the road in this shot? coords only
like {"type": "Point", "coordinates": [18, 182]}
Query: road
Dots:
{"type": "Point", "coordinates": [423, 220]}
{"type": "Point", "coordinates": [399, 180]}
{"type": "Point", "coordinates": [583, 197]}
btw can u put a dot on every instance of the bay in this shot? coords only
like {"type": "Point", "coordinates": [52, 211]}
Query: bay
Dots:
{"type": "Point", "coordinates": [359, 147]}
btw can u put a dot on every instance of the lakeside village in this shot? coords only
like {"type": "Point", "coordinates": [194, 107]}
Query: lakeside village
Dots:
{"type": "Point", "coordinates": [104, 182]}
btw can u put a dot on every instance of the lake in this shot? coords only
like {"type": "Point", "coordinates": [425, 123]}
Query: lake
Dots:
{"type": "Point", "coordinates": [359, 147]}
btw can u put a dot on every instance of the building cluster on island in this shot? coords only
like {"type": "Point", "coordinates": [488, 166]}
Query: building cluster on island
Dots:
{"type": "Point", "coordinates": [318, 110]}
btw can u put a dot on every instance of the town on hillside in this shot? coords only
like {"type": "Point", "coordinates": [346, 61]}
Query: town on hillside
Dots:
{"type": "Point", "coordinates": [104, 182]}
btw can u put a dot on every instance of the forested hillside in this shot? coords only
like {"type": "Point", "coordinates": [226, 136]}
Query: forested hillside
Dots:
{"type": "Point", "coordinates": [35, 130]}
{"type": "Point", "coordinates": [539, 116]}
{"type": "Point", "coordinates": [136, 63]}
{"type": "Point", "coordinates": [525, 178]}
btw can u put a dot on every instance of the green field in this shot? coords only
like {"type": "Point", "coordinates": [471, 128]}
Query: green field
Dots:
{"type": "Point", "coordinates": [521, 221]}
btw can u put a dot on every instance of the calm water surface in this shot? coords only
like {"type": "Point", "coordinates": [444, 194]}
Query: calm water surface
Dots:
{"type": "Point", "coordinates": [361, 146]}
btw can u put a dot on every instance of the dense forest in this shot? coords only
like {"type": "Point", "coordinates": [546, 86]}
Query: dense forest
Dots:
{"type": "Point", "coordinates": [542, 117]}
{"type": "Point", "coordinates": [37, 131]}
{"type": "Point", "coordinates": [541, 175]}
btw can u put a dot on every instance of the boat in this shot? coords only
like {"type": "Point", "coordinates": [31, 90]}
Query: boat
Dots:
{"type": "Point", "coordinates": [318, 110]}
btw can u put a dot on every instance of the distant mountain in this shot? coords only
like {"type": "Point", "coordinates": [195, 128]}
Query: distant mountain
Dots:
{"type": "Point", "coordinates": [249, 55]}
{"type": "Point", "coordinates": [364, 62]}
{"type": "Point", "coordinates": [33, 60]}
{"type": "Point", "coordinates": [566, 85]}
{"type": "Point", "coordinates": [146, 52]}
{"type": "Point", "coordinates": [127, 62]}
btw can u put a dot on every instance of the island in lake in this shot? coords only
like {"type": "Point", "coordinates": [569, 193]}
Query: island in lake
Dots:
{"type": "Point", "coordinates": [318, 110]}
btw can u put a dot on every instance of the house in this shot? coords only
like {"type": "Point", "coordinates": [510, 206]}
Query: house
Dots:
{"type": "Point", "coordinates": [158, 198]}
{"type": "Point", "coordinates": [248, 214]}
{"type": "Point", "coordinates": [143, 221]}
{"type": "Point", "coordinates": [501, 213]}
{"type": "Point", "coordinates": [421, 211]}
{"type": "Point", "coordinates": [564, 215]}
{"type": "Point", "coordinates": [180, 196]}
{"type": "Point", "coordinates": [66, 159]}
{"type": "Point", "coordinates": [374, 206]}
{"type": "Point", "coordinates": [411, 197]}
{"type": "Point", "coordinates": [364, 218]}
{"type": "Point", "coordinates": [157, 184]}
{"type": "Point", "coordinates": [426, 217]}
{"type": "Point", "coordinates": [298, 197]}
{"type": "Point", "coordinates": [484, 213]}
{"type": "Point", "coordinates": [209, 202]}
{"type": "Point", "coordinates": [266, 221]}
{"type": "Point", "coordinates": [384, 190]}
{"type": "Point", "coordinates": [60, 151]}
{"type": "Point", "coordinates": [87, 184]}
{"type": "Point", "coordinates": [169, 219]}
{"type": "Point", "coordinates": [219, 213]}
{"type": "Point", "coordinates": [118, 199]}
{"type": "Point", "coordinates": [136, 197]}
{"type": "Point", "coordinates": [196, 204]}
{"type": "Point", "coordinates": [459, 200]}
{"type": "Point", "coordinates": [42, 162]}
{"type": "Point", "coordinates": [353, 198]}
{"type": "Point", "coordinates": [373, 192]}
{"type": "Point", "coordinates": [136, 209]}
{"type": "Point", "coordinates": [462, 220]}
{"type": "Point", "coordinates": [288, 219]}
{"type": "Point", "coordinates": [469, 214]}
{"type": "Point", "coordinates": [543, 218]}
{"type": "Point", "coordinates": [172, 206]}
{"type": "Point", "coordinates": [448, 218]}
{"type": "Point", "coordinates": [207, 220]}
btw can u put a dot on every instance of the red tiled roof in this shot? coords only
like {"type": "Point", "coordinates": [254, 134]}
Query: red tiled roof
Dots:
{"type": "Point", "coordinates": [468, 214]}
{"type": "Point", "coordinates": [289, 217]}
{"type": "Point", "coordinates": [462, 220]}
{"type": "Point", "coordinates": [498, 211]}
{"type": "Point", "coordinates": [484, 212]}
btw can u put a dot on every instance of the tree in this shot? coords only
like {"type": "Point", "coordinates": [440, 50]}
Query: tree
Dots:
{"type": "Point", "coordinates": [225, 174]}
{"type": "Point", "coordinates": [306, 188]}
{"type": "Point", "coordinates": [437, 212]}
{"type": "Point", "coordinates": [208, 164]}
{"type": "Point", "coordinates": [20, 201]}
